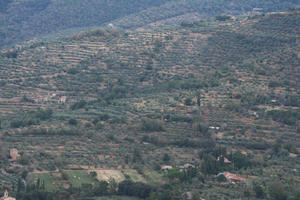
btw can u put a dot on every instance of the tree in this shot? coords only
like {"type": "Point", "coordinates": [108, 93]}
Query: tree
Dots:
{"type": "Point", "coordinates": [199, 100]}
{"type": "Point", "coordinates": [296, 195]}
{"type": "Point", "coordinates": [138, 189]}
{"type": "Point", "coordinates": [259, 191]}
{"type": "Point", "coordinates": [201, 128]}
{"type": "Point", "coordinates": [20, 186]}
{"type": "Point", "coordinates": [277, 191]}
{"type": "Point", "coordinates": [93, 174]}
{"type": "Point", "coordinates": [166, 158]}
{"type": "Point", "coordinates": [223, 17]}
{"type": "Point", "coordinates": [78, 105]}
{"type": "Point", "coordinates": [276, 148]}
{"type": "Point", "coordinates": [73, 122]}
{"type": "Point", "coordinates": [188, 101]}
{"type": "Point", "coordinates": [112, 186]}
{"type": "Point", "coordinates": [137, 156]}
{"type": "Point", "coordinates": [24, 174]}
{"type": "Point", "coordinates": [102, 188]}
{"type": "Point", "coordinates": [3, 152]}
{"type": "Point", "coordinates": [64, 175]}
{"type": "Point", "coordinates": [149, 125]}
{"type": "Point", "coordinates": [186, 24]}
{"type": "Point", "coordinates": [209, 165]}
{"type": "Point", "coordinates": [23, 160]}
{"type": "Point", "coordinates": [167, 192]}
{"type": "Point", "coordinates": [240, 160]}
{"type": "Point", "coordinates": [221, 178]}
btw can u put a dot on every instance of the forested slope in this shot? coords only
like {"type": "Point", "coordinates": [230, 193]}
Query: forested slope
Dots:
{"type": "Point", "coordinates": [22, 20]}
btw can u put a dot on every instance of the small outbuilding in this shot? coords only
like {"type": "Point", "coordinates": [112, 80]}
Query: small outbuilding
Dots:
{"type": "Point", "coordinates": [166, 167]}
{"type": "Point", "coordinates": [232, 177]}
{"type": "Point", "coordinates": [14, 154]}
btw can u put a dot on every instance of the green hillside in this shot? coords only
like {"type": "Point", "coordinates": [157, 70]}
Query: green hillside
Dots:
{"type": "Point", "coordinates": [22, 20]}
{"type": "Point", "coordinates": [103, 103]}
{"type": "Point", "coordinates": [25, 20]}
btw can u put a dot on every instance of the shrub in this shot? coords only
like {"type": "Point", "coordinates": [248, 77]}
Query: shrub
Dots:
{"type": "Point", "coordinates": [137, 189]}
{"type": "Point", "coordinates": [188, 102]}
{"type": "Point", "coordinates": [287, 117]}
{"type": "Point", "coordinates": [236, 107]}
{"type": "Point", "coordinates": [166, 157]}
{"type": "Point", "coordinates": [32, 118]}
{"type": "Point", "coordinates": [73, 122]}
{"type": "Point", "coordinates": [78, 105]}
{"type": "Point", "coordinates": [73, 71]}
{"type": "Point", "coordinates": [259, 192]}
{"type": "Point", "coordinates": [222, 17]}
{"type": "Point", "coordinates": [93, 174]}
{"type": "Point", "coordinates": [24, 160]}
{"type": "Point", "coordinates": [101, 188]}
{"type": "Point", "coordinates": [240, 160]}
{"type": "Point", "coordinates": [51, 132]}
{"type": "Point", "coordinates": [292, 100]}
{"type": "Point", "coordinates": [186, 24]}
{"type": "Point", "coordinates": [178, 118]}
{"type": "Point", "coordinates": [149, 125]}
{"type": "Point", "coordinates": [43, 114]}
{"type": "Point", "coordinates": [64, 175]}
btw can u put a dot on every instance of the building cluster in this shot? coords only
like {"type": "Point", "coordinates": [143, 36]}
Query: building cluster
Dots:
{"type": "Point", "coordinates": [165, 168]}
{"type": "Point", "coordinates": [52, 98]}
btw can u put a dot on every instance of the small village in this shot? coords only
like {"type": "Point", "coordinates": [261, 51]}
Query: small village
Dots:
{"type": "Point", "coordinates": [225, 177]}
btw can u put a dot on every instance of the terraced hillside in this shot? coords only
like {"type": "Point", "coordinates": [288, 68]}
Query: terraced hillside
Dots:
{"type": "Point", "coordinates": [102, 100]}
{"type": "Point", "coordinates": [26, 20]}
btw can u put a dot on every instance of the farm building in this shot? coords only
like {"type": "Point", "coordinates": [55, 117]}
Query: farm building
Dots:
{"type": "Point", "coordinates": [232, 177]}
{"type": "Point", "coordinates": [187, 166]}
{"type": "Point", "coordinates": [226, 160]}
{"type": "Point", "coordinates": [62, 100]}
{"type": "Point", "coordinates": [14, 154]}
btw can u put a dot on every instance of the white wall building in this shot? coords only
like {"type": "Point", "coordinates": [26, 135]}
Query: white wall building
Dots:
{"type": "Point", "coordinates": [6, 197]}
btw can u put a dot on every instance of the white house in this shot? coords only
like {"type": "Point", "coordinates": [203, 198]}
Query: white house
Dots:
{"type": "Point", "coordinates": [166, 167]}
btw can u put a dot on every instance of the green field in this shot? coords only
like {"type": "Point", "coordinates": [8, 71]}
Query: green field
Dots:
{"type": "Point", "coordinates": [50, 180]}
{"type": "Point", "coordinates": [54, 182]}
{"type": "Point", "coordinates": [76, 178]}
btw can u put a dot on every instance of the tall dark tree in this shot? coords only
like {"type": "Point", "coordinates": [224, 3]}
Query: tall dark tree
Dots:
{"type": "Point", "coordinates": [277, 191]}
